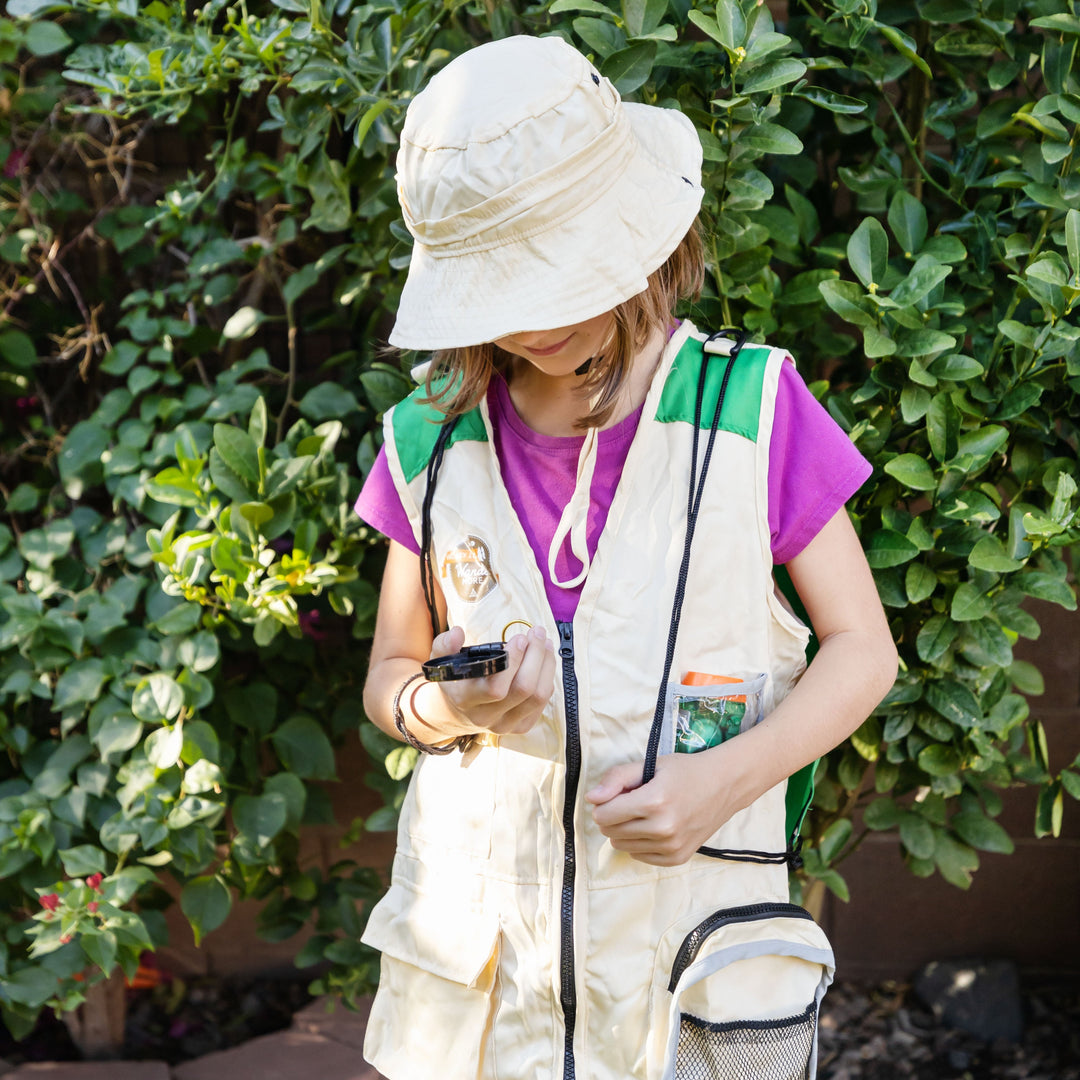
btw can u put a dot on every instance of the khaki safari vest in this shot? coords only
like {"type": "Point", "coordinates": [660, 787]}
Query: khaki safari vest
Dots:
{"type": "Point", "coordinates": [516, 942]}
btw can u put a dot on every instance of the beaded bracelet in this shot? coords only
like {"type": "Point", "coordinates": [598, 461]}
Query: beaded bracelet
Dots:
{"type": "Point", "coordinates": [462, 742]}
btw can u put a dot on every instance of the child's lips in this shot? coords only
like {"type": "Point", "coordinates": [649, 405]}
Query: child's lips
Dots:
{"type": "Point", "coordinates": [549, 350]}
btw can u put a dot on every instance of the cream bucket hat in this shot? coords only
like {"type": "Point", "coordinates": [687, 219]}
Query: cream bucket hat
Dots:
{"type": "Point", "coordinates": [537, 198]}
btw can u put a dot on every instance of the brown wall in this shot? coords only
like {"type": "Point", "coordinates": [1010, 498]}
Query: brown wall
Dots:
{"type": "Point", "coordinates": [1024, 906]}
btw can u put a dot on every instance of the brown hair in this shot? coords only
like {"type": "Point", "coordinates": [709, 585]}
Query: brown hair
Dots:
{"type": "Point", "coordinates": [470, 369]}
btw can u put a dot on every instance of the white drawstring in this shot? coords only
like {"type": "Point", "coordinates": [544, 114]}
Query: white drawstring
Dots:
{"type": "Point", "coordinates": [575, 515]}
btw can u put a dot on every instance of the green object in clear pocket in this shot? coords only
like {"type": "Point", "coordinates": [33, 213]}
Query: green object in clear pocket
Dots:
{"type": "Point", "coordinates": [702, 722]}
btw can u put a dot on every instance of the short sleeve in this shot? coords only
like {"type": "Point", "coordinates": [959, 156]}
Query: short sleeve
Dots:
{"type": "Point", "coordinates": [380, 505]}
{"type": "Point", "coordinates": [814, 467]}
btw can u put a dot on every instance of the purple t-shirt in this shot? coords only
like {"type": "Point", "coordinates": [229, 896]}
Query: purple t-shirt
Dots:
{"type": "Point", "coordinates": [813, 470]}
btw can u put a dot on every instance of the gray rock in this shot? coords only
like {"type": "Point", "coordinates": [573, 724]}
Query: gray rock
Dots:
{"type": "Point", "coordinates": [981, 997]}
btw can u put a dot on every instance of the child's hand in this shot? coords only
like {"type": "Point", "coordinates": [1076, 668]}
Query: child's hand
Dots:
{"type": "Point", "coordinates": [510, 701]}
{"type": "Point", "coordinates": [666, 820]}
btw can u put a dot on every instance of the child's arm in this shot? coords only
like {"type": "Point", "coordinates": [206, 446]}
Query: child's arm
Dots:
{"type": "Point", "coordinates": [510, 701]}
{"type": "Point", "coordinates": [665, 821]}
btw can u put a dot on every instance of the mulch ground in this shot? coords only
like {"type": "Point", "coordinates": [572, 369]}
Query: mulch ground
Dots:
{"type": "Point", "coordinates": [867, 1032]}
{"type": "Point", "coordinates": [883, 1032]}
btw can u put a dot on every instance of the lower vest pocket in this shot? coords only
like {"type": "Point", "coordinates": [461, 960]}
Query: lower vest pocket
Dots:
{"type": "Point", "coordinates": [743, 995]}
{"type": "Point", "coordinates": [434, 1008]}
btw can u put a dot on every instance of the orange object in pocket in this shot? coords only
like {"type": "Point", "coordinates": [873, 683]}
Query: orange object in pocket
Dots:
{"type": "Point", "coordinates": [701, 678]}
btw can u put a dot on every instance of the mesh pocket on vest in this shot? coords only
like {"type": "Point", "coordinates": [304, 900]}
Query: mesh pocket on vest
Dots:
{"type": "Point", "coordinates": [743, 993]}
{"type": "Point", "coordinates": [746, 1050]}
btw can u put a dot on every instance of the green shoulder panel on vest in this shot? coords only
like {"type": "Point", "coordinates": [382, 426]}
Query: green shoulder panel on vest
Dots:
{"type": "Point", "coordinates": [416, 427]}
{"type": "Point", "coordinates": [742, 402]}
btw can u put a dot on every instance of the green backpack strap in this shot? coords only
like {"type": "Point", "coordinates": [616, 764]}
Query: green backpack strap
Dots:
{"type": "Point", "coordinates": [800, 788]}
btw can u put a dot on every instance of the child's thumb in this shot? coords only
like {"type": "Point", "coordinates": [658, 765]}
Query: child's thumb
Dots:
{"type": "Point", "coordinates": [616, 781]}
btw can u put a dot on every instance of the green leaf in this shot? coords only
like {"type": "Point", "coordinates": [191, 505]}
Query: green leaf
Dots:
{"type": "Point", "coordinates": [1050, 810]}
{"type": "Point", "coordinates": [229, 482]}
{"type": "Point", "coordinates": [970, 602]}
{"type": "Point", "coordinates": [400, 762]}
{"type": "Point", "coordinates": [924, 276]}
{"type": "Point", "coordinates": [82, 860]}
{"type": "Point", "coordinates": [304, 748]}
{"type": "Point", "coordinates": [206, 903]}
{"type": "Point", "coordinates": [80, 683]}
{"type": "Point", "coordinates": [976, 448]}
{"type": "Point", "coordinates": [1027, 678]}
{"type": "Point", "coordinates": [629, 69]}
{"type": "Point", "coordinates": [956, 862]}
{"type": "Point", "coordinates": [882, 814]}
{"type": "Point", "coordinates": [888, 548]}
{"type": "Point", "coordinates": [919, 582]}
{"type": "Point", "coordinates": [906, 46]}
{"type": "Point", "coordinates": [917, 835]}
{"type": "Point", "coordinates": [157, 698]}
{"type": "Point", "coordinates": [955, 702]}
{"type": "Point", "coordinates": [771, 139]}
{"type": "Point", "coordinates": [907, 219]}
{"type": "Point", "coordinates": [939, 760]}
{"type": "Point", "coordinates": [912, 471]}
{"type": "Point", "coordinates": [45, 38]}
{"type": "Point", "coordinates": [773, 75]}
{"type": "Point", "coordinates": [834, 838]}
{"type": "Point", "coordinates": [934, 638]}
{"type": "Point", "coordinates": [1072, 240]}
{"type": "Point", "coordinates": [17, 348]}
{"type": "Point", "coordinates": [326, 401]}
{"type": "Point", "coordinates": [1044, 586]}
{"type": "Point", "coordinates": [868, 252]}
{"type": "Point", "coordinates": [982, 833]}
{"type": "Point", "coordinates": [289, 788]}
{"type": "Point", "coordinates": [30, 986]}
{"type": "Point", "coordinates": [730, 23]}
{"type": "Point", "coordinates": [238, 451]}
{"type": "Point", "coordinates": [830, 100]}
{"type": "Point", "coordinates": [163, 746]}
{"type": "Point", "coordinates": [943, 426]}
{"type": "Point", "coordinates": [260, 817]}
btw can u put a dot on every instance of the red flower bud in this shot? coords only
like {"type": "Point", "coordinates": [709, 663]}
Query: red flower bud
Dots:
{"type": "Point", "coordinates": [92, 906]}
{"type": "Point", "coordinates": [94, 881]}
{"type": "Point", "coordinates": [50, 902]}
{"type": "Point", "coordinates": [65, 938]}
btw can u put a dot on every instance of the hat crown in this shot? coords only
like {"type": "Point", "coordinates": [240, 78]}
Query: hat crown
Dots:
{"type": "Point", "coordinates": [500, 114]}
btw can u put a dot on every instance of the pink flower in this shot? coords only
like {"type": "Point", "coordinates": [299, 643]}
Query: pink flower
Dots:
{"type": "Point", "coordinates": [92, 906]}
{"type": "Point", "coordinates": [65, 938]}
{"type": "Point", "coordinates": [50, 902]}
{"type": "Point", "coordinates": [310, 625]}
{"type": "Point", "coordinates": [15, 161]}
{"type": "Point", "coordinates": [94, 881]}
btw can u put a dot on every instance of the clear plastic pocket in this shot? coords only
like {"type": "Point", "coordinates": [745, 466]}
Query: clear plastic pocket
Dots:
{"type": "Point", "coordinates": [743, 996]}
{"type": "Point", "coordinates": [703, 714]}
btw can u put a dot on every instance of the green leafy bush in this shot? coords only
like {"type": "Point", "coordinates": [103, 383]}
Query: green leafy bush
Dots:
{"type": "Point", "coordinates": [200, 252]}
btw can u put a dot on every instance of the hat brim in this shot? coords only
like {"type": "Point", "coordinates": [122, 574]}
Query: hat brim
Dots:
{"type": "Point", "coordinates": [581, 268]}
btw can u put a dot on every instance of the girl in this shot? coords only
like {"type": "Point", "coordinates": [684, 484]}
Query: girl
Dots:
{"type": "Point", "coordinates": [558, 886]}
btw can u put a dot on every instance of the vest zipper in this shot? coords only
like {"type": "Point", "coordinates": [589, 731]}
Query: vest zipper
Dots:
{"type": "Point", "coordinates": [567, 981]}
{"type": "Point", "coordinates": [693, 941]}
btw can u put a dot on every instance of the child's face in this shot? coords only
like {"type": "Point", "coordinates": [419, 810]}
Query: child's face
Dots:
{"type": "Point", "coordinates": [560, 352]}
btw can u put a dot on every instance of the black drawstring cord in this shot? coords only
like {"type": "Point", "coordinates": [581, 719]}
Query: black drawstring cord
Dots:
{"type": "Point", "coordinates": [695, 492]}
{"type": "Point", "coordinates": [427, 571]}
{"type": "Point", "coordinates": [792, 856]}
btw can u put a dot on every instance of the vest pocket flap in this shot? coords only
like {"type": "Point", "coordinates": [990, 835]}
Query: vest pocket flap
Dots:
{"type": "Point", "coordinates": [452, 940]}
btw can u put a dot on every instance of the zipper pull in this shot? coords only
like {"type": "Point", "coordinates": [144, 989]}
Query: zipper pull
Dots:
{"type": "Point", "coordinates": [566, 639]}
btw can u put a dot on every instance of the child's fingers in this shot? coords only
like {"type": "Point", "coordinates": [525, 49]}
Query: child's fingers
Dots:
{"type": "Point", "coordinates": [450, 641]}
{"type": "Point", "coordinates": [616, 781]}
